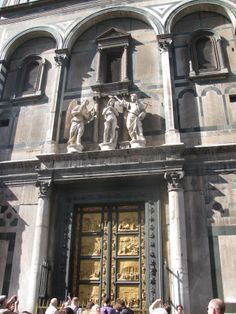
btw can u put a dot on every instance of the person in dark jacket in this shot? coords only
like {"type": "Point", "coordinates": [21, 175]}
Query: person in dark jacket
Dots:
{"type": "Point", "coordinates": [107, 307]}
{"type": "Point", "coordinates": [123, 308]}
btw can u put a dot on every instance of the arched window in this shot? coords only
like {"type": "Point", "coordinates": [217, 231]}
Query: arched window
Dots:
{"type": "Point", "coordinates": [30, 77]}
{"type": "Point", "coordinates": [206, 58]}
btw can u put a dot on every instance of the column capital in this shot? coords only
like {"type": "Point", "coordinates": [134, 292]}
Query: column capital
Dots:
{"type": "Point", "coordinates": [165, 42]}
{"type": "Point", "coordinates": [174, 180]}
{"type": "Point", "coordinates": [44, 188]}
{"type": "Point", "coordinates": [61, 57]}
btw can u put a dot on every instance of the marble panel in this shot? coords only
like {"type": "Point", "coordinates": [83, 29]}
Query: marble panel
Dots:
{"type": "Point", "coordinates": [228, 266]}
{"type": "Point", "coordinates": [3, 260]}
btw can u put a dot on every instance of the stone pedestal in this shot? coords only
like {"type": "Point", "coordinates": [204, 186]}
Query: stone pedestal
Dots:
{"type": "Point", "coordinates": [138, 143]}
{"type": "Point", "coordinates": [75, 148]}
{"type": "Point", "coordinates": [107, 146]}
{"type": "Point", "coordinates": [178, 243]}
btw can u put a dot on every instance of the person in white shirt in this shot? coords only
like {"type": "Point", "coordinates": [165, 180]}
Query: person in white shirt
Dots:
{"type": "Point", "coordinates": [52, 309]}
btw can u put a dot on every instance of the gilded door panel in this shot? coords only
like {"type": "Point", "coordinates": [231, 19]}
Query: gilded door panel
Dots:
{"type": "Point", "coordinates": [108, 254]}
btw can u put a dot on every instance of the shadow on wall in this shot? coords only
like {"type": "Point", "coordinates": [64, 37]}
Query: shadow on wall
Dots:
{"type": "Point", "coordinates": [12, 227]}
{"type": "Point", "coordinates": [24, 106]}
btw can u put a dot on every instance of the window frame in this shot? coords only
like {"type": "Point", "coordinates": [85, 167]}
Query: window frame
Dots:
{"type": "Point", "coordinates": [195, 72]}
{"type": "Point", "coordinates": [38, 92]}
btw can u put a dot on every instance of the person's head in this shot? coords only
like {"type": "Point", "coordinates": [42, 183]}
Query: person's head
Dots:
{"type": "Point", "coordinates": [159, 310]}
{"type": "Point", "coordinates": [111, 101]}
{"type": "Point", "coordinates": [167, 307]}
{"type": "Point", "coordinates": [75, 301]}
{"type": "Point", "coordinates": [106, 300]}
{"type": "Point", "coordinates": [121, 302]}
{"type": "Point", "coordinates": [3, 301]}
{"type": "Point", "coordinates": [117, 307]}
{"type": "Point", "coordinates": [95, 309]}
{"type": "Point", "coordinates": [216, 306]}
{"type": "Point", "coordinates": [53, 301]}
{"type": "Point", "coordinates": [180, 309]}
{"type": "Point", "coordinates": [133, 97]}
{"type": "Point", "coordinates": [89, 305]}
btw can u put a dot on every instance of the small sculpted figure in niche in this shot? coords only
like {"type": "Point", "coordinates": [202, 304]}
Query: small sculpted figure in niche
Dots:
{"type": "Point", "coordinates": [110, 125]}
{"type": "Point", "coordinates": [80, 116]}
{"type": "Point", "coordinates": [136, 113]}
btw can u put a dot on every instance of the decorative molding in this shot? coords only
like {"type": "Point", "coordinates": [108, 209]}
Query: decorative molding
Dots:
{"type": "Point", "coordinates": [164, 43]}
{"type": "Point", "coordinates": [153, 248]}
{"type": "Point", "coordinates": [44, 188]}
{"type": "Point", "coordinates": [62, 57]}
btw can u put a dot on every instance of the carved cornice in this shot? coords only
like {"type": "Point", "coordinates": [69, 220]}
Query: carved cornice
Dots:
{"type": "Point", "coordinates": [174, 180]}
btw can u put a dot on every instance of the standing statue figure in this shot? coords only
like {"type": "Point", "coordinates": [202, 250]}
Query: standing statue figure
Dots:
{"type": "Point", "coordinates": [110, 134]}
{"type": "Point", "coordinates": [136, 113]}
{"type": "Point", "coordinates": [80, 116]}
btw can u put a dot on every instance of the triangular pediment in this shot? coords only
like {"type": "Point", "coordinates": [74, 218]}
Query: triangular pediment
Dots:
{"type": "Point", "coordinates": [113, 33]}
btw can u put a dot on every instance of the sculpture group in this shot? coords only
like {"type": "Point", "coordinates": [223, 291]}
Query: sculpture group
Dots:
{"type": "Point", "coordinates": [80, 115]}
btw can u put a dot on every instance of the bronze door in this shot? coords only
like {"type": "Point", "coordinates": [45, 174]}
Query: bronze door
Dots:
{"type": "Point", "coordinates": [108, 254]}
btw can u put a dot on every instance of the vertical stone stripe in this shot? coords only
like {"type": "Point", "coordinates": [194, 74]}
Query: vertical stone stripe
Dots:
{"type": "Point", "coordinates": [3, 75]}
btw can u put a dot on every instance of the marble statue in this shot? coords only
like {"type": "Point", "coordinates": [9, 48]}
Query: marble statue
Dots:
{"type": "Point", "coordinates": [110, 134]}
{"type": "Point", "coordinates": [80, 116]}
{"type": "Point", "coordinates": [136, 113]}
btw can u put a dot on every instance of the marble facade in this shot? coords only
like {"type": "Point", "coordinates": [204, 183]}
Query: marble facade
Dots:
{"type": "Point", "coordinates": [178, 57]}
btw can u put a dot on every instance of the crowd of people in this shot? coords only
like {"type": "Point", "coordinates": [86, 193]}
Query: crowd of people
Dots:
{"type": "Point", "coordinates": [71, 306]}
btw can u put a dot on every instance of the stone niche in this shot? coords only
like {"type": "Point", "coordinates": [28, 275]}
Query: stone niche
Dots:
{"type": "Point", "coordinates": [112, 63]}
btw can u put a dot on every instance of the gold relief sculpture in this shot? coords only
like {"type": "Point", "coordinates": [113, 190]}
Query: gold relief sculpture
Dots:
{"type": "Point", "coordinates": [91, 222]}
{"type": "Point", "coordinates": [89, 270]}
{"type": "Point", "coordinates": [88, 292]}
{"type": "Point", "coordinates": [128, 221]}
{"type": "Point", "coordinates": [90, 246]}
{"type": "Point", "coordinates": [130, 294]}
{"type": "Point", "coordinates": [128, 270]}
{"type": "Point", "coordinates": [128, 245]}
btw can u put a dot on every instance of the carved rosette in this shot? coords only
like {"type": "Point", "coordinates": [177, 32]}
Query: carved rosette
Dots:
{"type": "Point", "coordinates": [61, 57]}
{"type": "Point", "coordinates": [174, 180]}
{"type": "Point", "coordinates": [165, 44]}
{"type": "Point", "coordinates": [44, 189]}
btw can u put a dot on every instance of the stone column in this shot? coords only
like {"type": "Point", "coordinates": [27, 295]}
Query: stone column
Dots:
{"type": "Point", "coordinates": [178, 266]}
{"type": "Point", "coordinates": [98, 73]}
{"type": "Point", "coordinates": [40, 244]}
{"type": "Point", "coordinates": [124, 63]}
{"type": "Point", "coordinates": [172, 135]}
{"type": "Point", "coordinates": [61, 59]}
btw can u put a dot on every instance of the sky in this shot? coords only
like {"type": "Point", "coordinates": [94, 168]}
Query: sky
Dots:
{"type": "Point", "coordinates": [1, 2]}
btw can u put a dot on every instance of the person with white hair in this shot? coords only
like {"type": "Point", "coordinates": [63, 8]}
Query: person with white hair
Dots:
{"type": "Point", "coordinates": [52, 309]}
{"type": "Point", "coordinates": [156, 308]}
{"type": "Point", "coordinates": [216, 306]}
{"type": "Point", "coordinates": [95, 309]}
